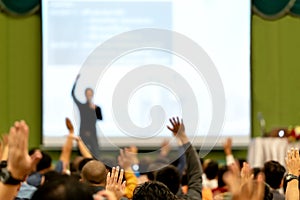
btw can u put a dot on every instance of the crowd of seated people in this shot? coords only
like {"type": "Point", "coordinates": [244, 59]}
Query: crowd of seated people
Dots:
{"type": "Point", "coordinates": [29, 174]}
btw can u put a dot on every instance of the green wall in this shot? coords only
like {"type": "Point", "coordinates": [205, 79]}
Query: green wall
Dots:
{"type": "Point", "coordinates": [275, 69]}
{"type": "Point", "coordinates": [20, 73]}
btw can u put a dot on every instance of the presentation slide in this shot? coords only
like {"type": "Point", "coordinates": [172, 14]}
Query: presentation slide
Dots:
{"type": "Point", "coordinates": [147, 61]}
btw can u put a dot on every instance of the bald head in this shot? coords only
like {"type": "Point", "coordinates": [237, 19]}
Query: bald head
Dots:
{"type": "Point", "coordinates": [94, 172]}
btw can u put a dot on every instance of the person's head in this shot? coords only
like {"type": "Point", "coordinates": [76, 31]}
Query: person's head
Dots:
{"type": "Point", "coordinates": [44, 164]}
{"type": "Point", "coordinates": [153, 190]}
{"type": "Point", "coordinates": [211, 170]}
{"type": "Point", "coordinates": [83, 162]}
{"type": "Point", "coordinates": [256, 171]}
{"type": "Point", "coordinates": [51, 175]}
{"type": "Point", "coordinates": [169, 176]}
{"type": "Point", "coordinates": [153, 168]}
{"type": "Point", "coordinates": [63, 188]}
{"type": "Point", "coordinates": [74, 165]}
{"type": "Point", "coordinates": [89, 94]}
{"type": "Point", "coordinates": [274, 173]}
{"type": "Point", "coordinates": [94, 173]}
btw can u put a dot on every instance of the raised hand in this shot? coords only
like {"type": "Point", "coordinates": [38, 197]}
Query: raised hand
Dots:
{"type": "Point", "coordinates": [293, 161]}
{"type": "Point", "coordinates": [82, 147]}
{"type": "Point", "coordinates": [19, 163]}
{"type": "Point", "coordinates": [253, 190]}
{"type": "Point", "coordinates": [178, 129]}
{"type": "Point", "coordinates": [228, 146]}
{"type": "Point", "coordinates": [246, 173]}
{"type": "Point", "coordinates": [165, 148]}
{"type": "Point", "coordinates": [127, 158]}
{"type": "Point", "coordinates": [114, 182]}
{"type": "Point", "coordinates": [244, 189]}
{"type": "Point", "coordinates": [175, 125]}
{"type": "Point", "coordinates": [293, 166]}
{"type": "Point", "coordinates": [69, 125]}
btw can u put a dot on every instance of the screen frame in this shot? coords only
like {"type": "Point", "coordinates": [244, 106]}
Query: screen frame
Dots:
{"type": "Point", "coordinates": [238, 142]}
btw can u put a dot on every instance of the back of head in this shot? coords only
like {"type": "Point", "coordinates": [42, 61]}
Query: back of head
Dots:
{"type": "Point", "coordinates": [222, 170]}
{"type": "Point", "coordinates": [63, 188]}
{"type": "Point", "coordinates": [94, 172]}
{"type": "Point", "coordinates": [44, 163]}
{"type": "Point", "coordinates": [83, 162]}
{"type": "Point", "coordinates": [51, 175]}
{"type": "Point", "coordinates": [211, 170]}
{"type": "Point", "coordinates": [74, 165]}
{"type": "Point", "coordinates": [170, 177]}
{"type": "Point", "coordinates": [274, 173]}
{"type": "Point", "coordinates": [153, 191]}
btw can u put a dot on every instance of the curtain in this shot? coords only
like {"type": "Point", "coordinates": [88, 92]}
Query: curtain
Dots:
{"type": "Point", "coordinates": [275, 9]}
{"type": "Point", "coordinates": [20, 7]}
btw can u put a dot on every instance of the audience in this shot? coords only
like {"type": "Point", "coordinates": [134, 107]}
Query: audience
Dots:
{"type": "Point", "coordinates": [210, 176]}
{"type": "Point", "coordinates": [94, 174]}
{"type": "Point", "coordinates": [170, 175]}
{"type": "Point", "coordinates": [153, 190]}
{"type": "Point", "coordinates": [63, 188]}
{"type": "Point", "coordinates": [274, 173]}
{"type": "Point", "coordinates": [30, 176]}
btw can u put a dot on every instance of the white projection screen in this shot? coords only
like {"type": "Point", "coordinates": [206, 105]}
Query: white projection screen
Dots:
{"type": "Point", "coordinates": [73, 29]}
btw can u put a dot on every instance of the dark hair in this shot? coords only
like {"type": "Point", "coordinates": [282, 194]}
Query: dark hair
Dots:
{"type": "Point", "coordinates": [63, 188]}
{"type": "Point", "coordinates": [241, 162]}
{"type": "Point", "coordinates": [170, 177]}
{"type": "Point", "coordinates": [274, 173]}
{"type": "Point", "coordinates": [153, 190]}
{"type": "Point", "coordinates": [211, 170]}
{"type": "Point", "coordinates": [256, 171]}
{"type": "Point", "coordinates": [44, 163]}
{"type": "Point", "coordinates": [51, 175]}
{"type": "Point", "coordinates": [221, 172]}
{"type": "Point", "coordinates": [83, 162]}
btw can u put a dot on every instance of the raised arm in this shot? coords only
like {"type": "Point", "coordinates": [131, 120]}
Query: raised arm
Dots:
{"type": "Point", "coordinates": [126, 159]}
{"type": "Point", "coordinates": [73, 91]}
{"type": "Point", "coordinates": [67, 148]}
{"type": "Point", "coordinates": [68, 145]}
{"type": "Point", "coordinates": [4, 155]}
{"type": "Point", "coordinates": [194, 170]}
{"type": "Point", "coordinates": [293, 166]}
{"type": "Point", "coordinates": [83, 148]}
{"type": "Point", "coordinates": [242, 188]}
{"type": "Point", "coordinates": [228, 152]}
{"type": "Point", "coordinates": [19, 163]}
